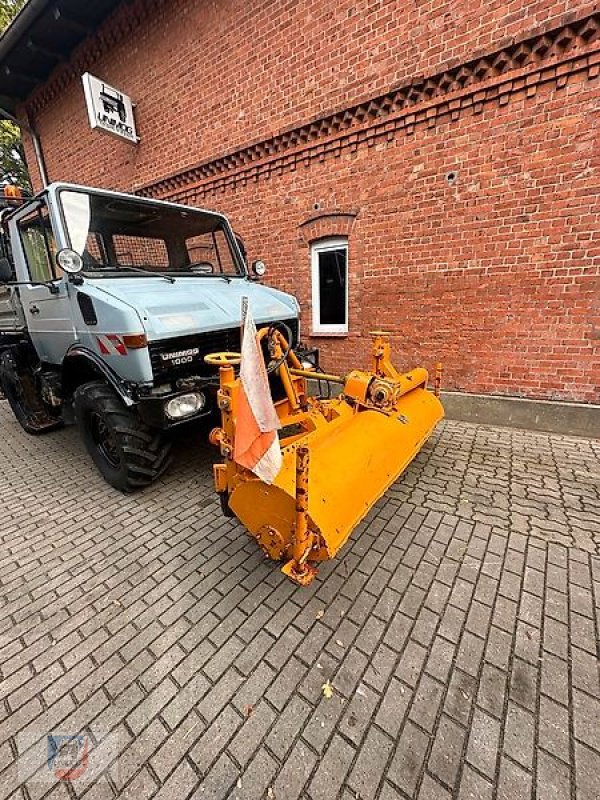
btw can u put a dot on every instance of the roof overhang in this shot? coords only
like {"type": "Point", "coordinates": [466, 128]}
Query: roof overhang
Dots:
{"type": "Point", "coordinates": [41, 36]}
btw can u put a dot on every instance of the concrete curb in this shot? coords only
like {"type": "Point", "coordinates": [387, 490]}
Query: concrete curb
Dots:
{"type": "Point", "coordinates": [569, 419]}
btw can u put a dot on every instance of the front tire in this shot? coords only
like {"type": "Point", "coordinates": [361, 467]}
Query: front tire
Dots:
{"type": "Point", "coordinates": [127, 452]}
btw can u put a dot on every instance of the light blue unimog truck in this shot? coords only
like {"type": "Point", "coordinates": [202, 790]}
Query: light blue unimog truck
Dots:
{"type": "Point", "coordinates": [108, 304]}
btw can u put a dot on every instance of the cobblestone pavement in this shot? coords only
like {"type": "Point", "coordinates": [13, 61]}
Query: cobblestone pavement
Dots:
{"type": "Point", "coordinates": [458, 629]}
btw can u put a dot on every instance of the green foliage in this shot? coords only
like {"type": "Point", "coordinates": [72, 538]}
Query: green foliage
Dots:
{"type": "Point", "coordinates": [8, 10]}
{"type": "Point", "coordinates": [12, 156]}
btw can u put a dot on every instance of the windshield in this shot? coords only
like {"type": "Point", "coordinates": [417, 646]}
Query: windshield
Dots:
{"type": "Point", "coordinates": [117, 235]}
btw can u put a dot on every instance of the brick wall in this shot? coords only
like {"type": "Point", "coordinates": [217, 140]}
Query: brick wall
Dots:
{"type": "Point", "coordinates": [456, 144]}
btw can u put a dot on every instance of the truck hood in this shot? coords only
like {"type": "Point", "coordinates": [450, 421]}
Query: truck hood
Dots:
{"type": "Point", "coordinates": [195, 305]}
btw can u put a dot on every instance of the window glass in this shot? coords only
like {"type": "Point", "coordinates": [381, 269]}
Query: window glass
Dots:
{"type": "Point", "coordinates": [77, 208]}
{"type": "Point", "coordinates": [330, 286]}
{"type": "Point", "coordinates": [113, 233]}
{"type": "Point", "coordinates": [38, 244]}
{"type": "Point", "coordinates": [141, 251]}
{"type": "Point", "coordinates": [210, 253]}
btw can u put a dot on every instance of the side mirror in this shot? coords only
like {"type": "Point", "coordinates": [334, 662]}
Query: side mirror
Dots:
{"type": "Point", "coordinates": [69, 261]}
{"type": "Point", "coordinates": [259, 268]}
{"type": "Point", "coordinates": [6, 273]}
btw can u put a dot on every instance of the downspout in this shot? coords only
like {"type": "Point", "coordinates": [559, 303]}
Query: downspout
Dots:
{"type": "Point", "coordinates": [37, 145]}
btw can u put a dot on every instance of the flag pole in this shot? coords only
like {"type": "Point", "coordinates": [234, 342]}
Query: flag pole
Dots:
{"type": "Point", "coordinates": [243, 320]}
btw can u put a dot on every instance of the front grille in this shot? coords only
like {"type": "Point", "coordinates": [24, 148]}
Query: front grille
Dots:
{"type": "Point", "coordinates": [165, 371]}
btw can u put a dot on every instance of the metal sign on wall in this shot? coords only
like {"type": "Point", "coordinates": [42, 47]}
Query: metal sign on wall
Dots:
{"type": "Point", "coordinates": [109, 109]}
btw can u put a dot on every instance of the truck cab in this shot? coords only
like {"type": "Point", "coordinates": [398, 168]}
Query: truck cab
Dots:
{"type": "Point", "coordinates": [109, 303]}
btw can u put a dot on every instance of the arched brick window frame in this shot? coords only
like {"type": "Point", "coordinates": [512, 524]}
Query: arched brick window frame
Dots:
{"type": "Point", "coordinates": [327, 225]}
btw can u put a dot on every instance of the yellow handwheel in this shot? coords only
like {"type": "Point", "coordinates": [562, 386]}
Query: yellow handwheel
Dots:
{"type": "Point", "coordinates": [223, 359]}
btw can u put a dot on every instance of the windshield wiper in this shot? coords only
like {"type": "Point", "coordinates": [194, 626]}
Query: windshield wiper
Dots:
{"type": "Point", "coordinates": [163, 275]}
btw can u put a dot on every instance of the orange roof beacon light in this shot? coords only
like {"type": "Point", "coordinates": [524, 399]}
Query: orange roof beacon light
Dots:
{"type": "Point", "coordinates": [12, 192]}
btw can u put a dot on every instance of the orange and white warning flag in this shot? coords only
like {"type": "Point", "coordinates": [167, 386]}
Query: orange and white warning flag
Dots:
{"type": "Point", "coordinates": [256, 445]}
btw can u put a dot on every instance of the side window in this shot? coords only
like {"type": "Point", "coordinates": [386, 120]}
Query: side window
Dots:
{"type": "Point", "coordinates": [39, 245]}
{"type": "Point", "coordinates": [202, 253]}
{"type": "Point", "coordinates": [211, 253]}
{"type": "Point", "coordinates": [329, 259]}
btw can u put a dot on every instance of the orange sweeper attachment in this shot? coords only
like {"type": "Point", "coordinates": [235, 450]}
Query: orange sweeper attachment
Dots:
{"type": "Point", "coordinates": [338, 455]}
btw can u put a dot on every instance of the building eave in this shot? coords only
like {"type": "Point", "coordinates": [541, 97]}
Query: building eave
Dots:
{"type": "Point", "coordinates": [40, 37]}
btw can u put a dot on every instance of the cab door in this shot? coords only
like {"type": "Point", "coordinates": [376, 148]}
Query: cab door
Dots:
{"type": "Point", "coordinates": [48, 313]}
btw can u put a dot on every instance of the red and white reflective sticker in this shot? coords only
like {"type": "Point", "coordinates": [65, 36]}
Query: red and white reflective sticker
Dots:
{"type": "Point", "coordinates": [111, 345]}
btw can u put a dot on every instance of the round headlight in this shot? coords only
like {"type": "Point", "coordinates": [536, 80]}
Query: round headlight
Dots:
{"type": "Point", "coordinates": [186, 405]}
{"type": "Point", "coordinates": [69, 261]}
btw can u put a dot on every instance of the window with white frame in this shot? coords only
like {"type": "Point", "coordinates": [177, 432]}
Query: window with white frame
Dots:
{"type": "Point", "coordinates": [329, 259]}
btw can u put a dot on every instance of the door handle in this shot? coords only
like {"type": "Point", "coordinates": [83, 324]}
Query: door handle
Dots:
{"type": "Point", "coordinates": [34, 309]}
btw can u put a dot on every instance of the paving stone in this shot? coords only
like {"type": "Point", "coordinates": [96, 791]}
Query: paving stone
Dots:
{"type": "Point", "coordinates": [585, 671]}
{"type": "Point", "coordinates": [253, 731]}
{"type": "Point", "coordinates": [289, 724]}
{"type": "Point", "coordinates": [295, 773]}
{"type": "Point", "coordinates": [554, 733]}
{"type": "Point", "coordinates": [425, 627]}
{"type": "Point", "coordinates": [431, 790]}
{"type": "Point", "coordinates": [370, 764]}
{"type": "Point", "coordinates": [151, 705]}
{"type": "Point", "coordinates": [460, 696]}
{"type": "Point", "coordinates": [393, 709]}
{"type": "Point", "coordinates": [492, 690]}
{"type": "Point", "coordinates": [586, 712]}
{"type": "Point", "coordinates": [380, 667]}
{"type": "Point", "coordinates": [411, 663]}
{"type": "Point", "coordinates": [427, 700]}
{"type": "Point", "coordinates": [359, 713]}
{"type": "Point", "coordinates": [257, 777]}
{"type": "Point", "coordinates": [440, 658]}
{"type": "Point", "coordinates": [470, 653]}
{"type": "Point", "coordinates": [514, 782]}
{"type": "Point", "coordinates": [553, 779]}
{"type": "Point", "coordinates": [587, 770]}
{"type": "Point", "coordinates": [482, 748]}
{"type": "Point", "coordinates": [519, 735]}
{"type": "Point", "coordinates": [452, 623]}
{"type": "Point", "coordinates": [323, 721]}
{"type": "Point", "coordinates": [398, 631]}
{"type": "Point", "coordinates": [219, 695]}
{"type": "Point", "coordinates": [446, 753]}
{"type": "Point", "coordinates": [555, 679]}
{"type": "Point", "coordinates": [332, 770]}
{"type": "Point", "coordinates": [172, 750]}
{"type": "Point", "coordinates": [523, 684]}
{"type": "Point", "coordinates": [255, 687]}
{"type": "Point", "coordinates": [286, 682]}
{"type": "Point", "coordinates": [473, 786]}
{"type": "Point", "coordinates": [215, 738]}
{"type": "Point", "coordinates": [185, 699]}
{"type": "Point", "coordinates": [406, 765]}
{"type": "Point", "coordinates": [219, 781]}
{"type": "Point", "coordinates": [179, 784]}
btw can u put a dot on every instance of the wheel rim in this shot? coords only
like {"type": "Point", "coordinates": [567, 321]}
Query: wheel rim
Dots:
{"type": "Point", "coordinates": [104, 439]}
